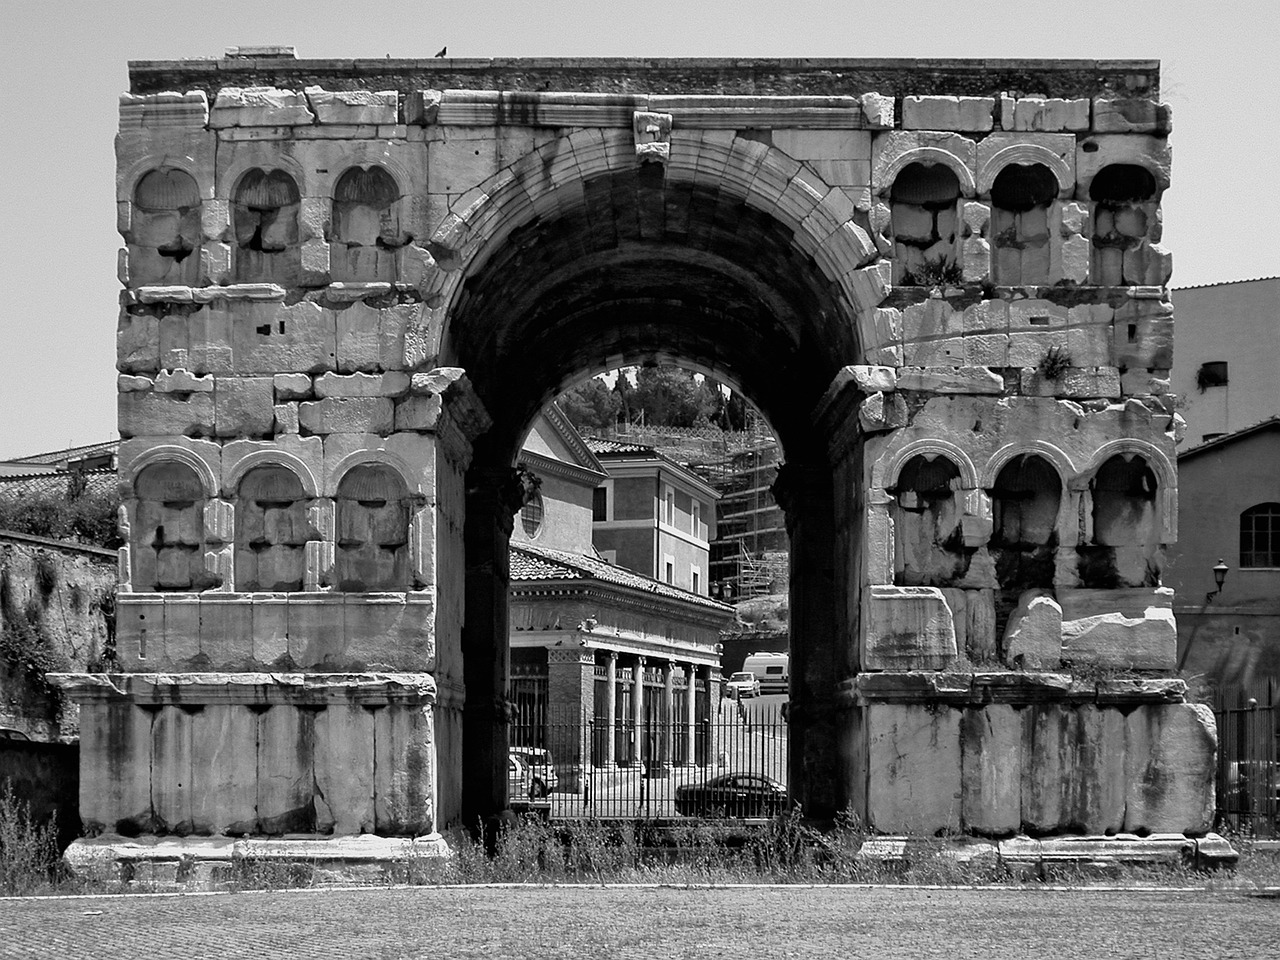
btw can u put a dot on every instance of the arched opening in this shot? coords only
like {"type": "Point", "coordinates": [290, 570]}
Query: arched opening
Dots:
{"type": "Point", "coordinates": [372, 548]}
{"type": "Point", "coordinates": [165, 229]}
{"type": "Point", "coordinates": [924, 220]}
{"type": "Point", "coordinates": [928, 546]}
{"type": "Point", "coordinates": [1124, 211]}
{"type": "Point", "coordinates": [1124, 550]}
{"type": "Point", "coordinates": [272, 531]}
{"type": "Point", "coordinates": [264, 218]}
{"type": "Point", "coordinates": [1020, 199]}
{"type": "Point", "coordinates": [641, 270]}
{"type": "Point", "coordinates": [169, 520]}
{"type": "Point", "coordinates": [1024, 505]}
{"type": "Point", "coordinates": [366, 226]}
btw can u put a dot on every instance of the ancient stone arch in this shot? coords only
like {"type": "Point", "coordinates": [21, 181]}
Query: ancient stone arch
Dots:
{"type": "Point", "coordinates": [728, 216]}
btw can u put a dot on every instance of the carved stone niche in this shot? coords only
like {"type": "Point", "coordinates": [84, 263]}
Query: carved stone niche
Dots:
{"type": "Point", "coordinates": [925, 223]}
{"type": "Point", "coordinates": [264, 218]}
{"type": "Point", "coordinates": [929, 546]}
{"type": "Point", "coordinates": [366, 226]}
{"type": "Point", "coordinates": [272, 531]}
{"type": "Point", "coordinates": [1124, 215]}
{"type": "Point", "coordinates": [1125, 547]}
{"type": "Point", "coordinates": [168, 530]}
{"type": "Point", "coordinates": [164, 232]}
{"type": "Point", "coordinates": [373, 510]}
{"type": "Point", "coordinates": [1025, 502]}
{"type": "Point", "coordinates": [1020, 199]}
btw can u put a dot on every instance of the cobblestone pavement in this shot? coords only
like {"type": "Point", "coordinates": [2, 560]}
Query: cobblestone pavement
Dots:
{"type": "Point", "coordinates": [535, 922]}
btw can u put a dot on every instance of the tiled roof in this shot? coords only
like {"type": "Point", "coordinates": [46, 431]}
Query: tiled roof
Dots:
{"type": "Point", "coordinates": [532, 562]}
{"type": "Point", "coordinates": [605, 447]}
{"type": "Point", "coordinates": [1227, 438]}
{"type": "Point", "coordinates": [70, 453]}
{"type": "Point", "coordinates": [54, 484]}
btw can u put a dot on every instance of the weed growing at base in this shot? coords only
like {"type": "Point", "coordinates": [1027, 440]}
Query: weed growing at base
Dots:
{"type": "Point", "coordinates": [29, 860]}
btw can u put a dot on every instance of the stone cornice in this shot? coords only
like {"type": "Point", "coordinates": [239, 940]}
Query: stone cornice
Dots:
{"type": "Point", "coordinates": [550, 466]}
{"type": "Point", "coordinates": [1010, 687]}
{"type": "Point", "coordinates": [622, 598]}
{"type": "Point", "coordinates": [314, 690]}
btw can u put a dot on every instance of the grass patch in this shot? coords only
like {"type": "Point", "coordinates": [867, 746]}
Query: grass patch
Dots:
{"type": "Point", "coordinates": [29, 861]}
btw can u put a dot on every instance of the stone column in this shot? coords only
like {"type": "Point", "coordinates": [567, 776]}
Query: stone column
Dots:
{"type": "Point", "coordinates": [571, 685]}
{"type": "Point", "coordinates": [637, 710]}
{"type": "Point", "coordinates": [611, 713]}
{"type": "Point", "coordinates": [805, 493]}
{"type": "Point", "coordinates": [492, 500]}
{"type": "Point", "coordinates": [667, 739]}
{"type": "Point", "coordinates": [691, 703]}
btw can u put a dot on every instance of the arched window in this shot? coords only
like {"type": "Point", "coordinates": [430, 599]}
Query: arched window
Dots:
{"type": "Point", "coordinates": [1125, 503]}
{"type": "Point", "coordinates": [923, 217]}
{"type": "Point", "coordinates": [264, 216]}
{"type": "Point", "coordinates": [168, 530]}
{"type": "Point", "coordinates": [927, 522]}
{"type": "Point", "coordinates": [1020, 198]}
{"type": "Point", "coordinates": [165, 229]}
{"type": "Point", "coordinates": [272, 530]}
{"type": "Point", "coordinates": [373, 530]}
{"type": "Point", "coordinates": [1260, 536]}
{"type": "Point", "coordinates": [366, 229]}
{"type": "Point", "coordinates": [1124, 208]}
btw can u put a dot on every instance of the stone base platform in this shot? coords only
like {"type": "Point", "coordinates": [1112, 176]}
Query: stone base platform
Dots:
{"type": "Point", "coordinates": [1050, 856]}
{"type": "Point", "coordinates": [204, 863]}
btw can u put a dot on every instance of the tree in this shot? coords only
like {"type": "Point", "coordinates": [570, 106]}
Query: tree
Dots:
{"type": "Point", "coordinates": [591, 406]}
{"type": "Point", "coordinates": [671, 397]}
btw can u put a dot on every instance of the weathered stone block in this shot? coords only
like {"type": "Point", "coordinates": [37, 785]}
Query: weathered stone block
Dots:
{"type": "Point", "coordinates": [361, 385]}
{"type": "Point", "coordinates": [1053, 114]}
{"type": "Point", "coordinates": [980, 629]}
{"type": "Point", "coordinates": [870, 379]}
{"type": "Point", "coordinates": [949, 113]}
{"type": "Point", "coordinates": [347, 415]}
{"type": "Point", "coordinates": [418, 413]}
{"type": "Point", "coordinates": [951, 380]}
{"type": "Point", "coordinates": [1073, 769]}
{"type": "Point", "coordinates": [292, 386]}
{"type": "Point", "coordinates": [1075, 382]}
{"type": "Point", "coordinates": [908, 628]}
{"type": "Point", "coordinates": [1170, 752]}
{"type": "Point", "coordinates": [353, 106]}
{"type": "Point", "coordinates": [259, 107]}
{"type": "Point", "coordinates": [157, 414]}
{"type": "Point", "coordinates": [1033, 634]}
{"type": "Point", "coordinates": [182, 381]}
{"type": "Point", "coordinates": [343, 767]}
{"type": "Point", "coordinates": [824, 144]}
{"type": "Point", "coordinates": [991, 770]}
{"type": "Point", "coordinates": [137, 343]}
{"type": "Point", "coordinates": [1132, 116]}
{"type": "Point", "coordinates": [244, 407]}
{"type": "Point", "coordinates": [1130, 628]}
{"type": "Point", "coordinates": [916, 753]}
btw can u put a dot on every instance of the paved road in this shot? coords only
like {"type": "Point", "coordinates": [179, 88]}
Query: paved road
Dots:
{"type": "Point", "coordinates": [536, 922]}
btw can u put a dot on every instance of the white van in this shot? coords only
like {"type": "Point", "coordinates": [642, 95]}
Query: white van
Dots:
{"type": "Point", "coordinates": [773, 670]}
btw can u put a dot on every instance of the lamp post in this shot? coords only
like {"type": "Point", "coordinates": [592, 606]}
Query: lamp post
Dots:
{"type": "Point", "coordinates": [1219, 578]}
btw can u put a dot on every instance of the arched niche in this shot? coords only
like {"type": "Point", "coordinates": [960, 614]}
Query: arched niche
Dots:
{"type": "Point", "coordinates": [1127, 524]}
{"type": "Point", "coordinates": [366, 229]}
{"type": "Point", "coordinates": [924, 221]}
{"type": "Point", "coordinates": [1026, 499]}
{"type": "Point", "coordinates": [168, 529]}
{"type": "Point", "coordinates": [1124, 202]}
{"type": "Point", "coordinates": [264, 220]}
{"type": "Point", "coordinates": [272, 530]}
{"type": "Point", "coordinates": [1021, 195]}
{"type": "Point", "coordinates": [372, 524]}
{"type": "Point", "coordinates": [165, 229]}
{"type": "Point", "coordinates": [928, 542]}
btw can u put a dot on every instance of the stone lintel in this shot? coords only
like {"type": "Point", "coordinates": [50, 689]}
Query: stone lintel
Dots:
{"type": "Point", "coordinates": [1011, 687]}
{"type": "Point", "coordinates": [266, 689]}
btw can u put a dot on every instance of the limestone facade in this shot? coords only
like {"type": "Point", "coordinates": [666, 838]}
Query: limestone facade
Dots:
{"type": "Point", "coordinates": [350, 285]}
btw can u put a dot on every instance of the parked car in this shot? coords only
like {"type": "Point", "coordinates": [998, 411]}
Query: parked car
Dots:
{"type": "Point", "coordinates": [773, 670]}
{"type": "Point", "coordinates": [519, 783]}
{"type": "Point", "coordinates": [732, 795]}
{"type": "Point", "coordinates": [743, 684]}
{"type": "Point", "coordinates": [542, 770]}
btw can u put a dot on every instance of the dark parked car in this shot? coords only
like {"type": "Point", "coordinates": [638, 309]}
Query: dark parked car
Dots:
{"type": "Point", "coordinates": [732, 795]}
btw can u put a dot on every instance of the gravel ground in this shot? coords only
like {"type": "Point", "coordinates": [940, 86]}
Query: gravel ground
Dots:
{"type": "Point", "coordinates": [536, 922]}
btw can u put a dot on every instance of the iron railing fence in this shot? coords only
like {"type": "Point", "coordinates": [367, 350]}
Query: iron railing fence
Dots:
{"type": "Point", "coordinates": [661, 767]}
{"type": "Point", "coordinates": [1248, 781]}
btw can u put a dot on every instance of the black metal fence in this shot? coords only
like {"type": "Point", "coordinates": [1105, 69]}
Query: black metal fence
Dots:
{"type": "Point", "coordinates": [660, 767]}
{"type": "Point", "coordinates": [1248, 784]}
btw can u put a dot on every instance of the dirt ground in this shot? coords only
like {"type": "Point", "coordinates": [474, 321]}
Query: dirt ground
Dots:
{"type": "Point", "coordinates": [560, 922]}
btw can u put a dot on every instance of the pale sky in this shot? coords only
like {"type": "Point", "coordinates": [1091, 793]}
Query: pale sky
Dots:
{"type": "Point", "coordinates": [64, 66]}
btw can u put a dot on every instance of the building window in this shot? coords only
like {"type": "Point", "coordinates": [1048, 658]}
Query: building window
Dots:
{"type": "Point", "coordinates": [1260, 536]}
{"type": "Point", "coordinates": [1211, 374]}
{"type": "Point", "coordinates": [531, 515]}
{"type": "Point", "coordinates": [600, 503]}
{"type": "Point", "coordinates": [669, 570]}
{"type": "Point", "coordinates": [695, 580]}
{"type": "Point", "coordinates": [668, 505]}
{"type": "Point", "coordinates": [695, 522]}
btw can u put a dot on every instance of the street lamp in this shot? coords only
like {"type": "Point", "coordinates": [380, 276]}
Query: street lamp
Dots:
{"type": "Point", "coordinates": [1219, 577]}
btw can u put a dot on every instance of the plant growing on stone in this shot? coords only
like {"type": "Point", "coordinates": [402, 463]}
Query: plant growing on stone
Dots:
{"type": "Point", "coordinates": [934, 273]}
{"type": "Point", "coordinates": [1055, 363]}
{"type": "Point", "coordinates": [28, 849]}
